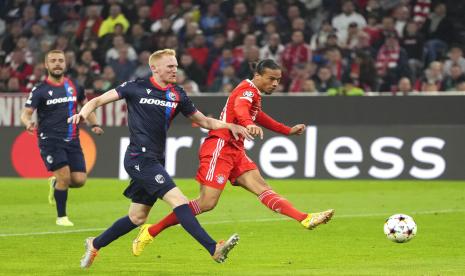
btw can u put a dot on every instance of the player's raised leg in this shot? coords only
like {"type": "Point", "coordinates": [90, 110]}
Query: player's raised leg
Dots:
{"type": "Point", "coordinates": [207, 201]}
{"type": "Point", "coordinates": [136, 216]}
{"type": "Point", "coordinates": [254, 182]}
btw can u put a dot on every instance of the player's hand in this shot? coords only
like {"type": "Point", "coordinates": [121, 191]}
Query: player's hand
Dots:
{"type": "Point", "coordinates": [31, 127]}
{"type": "Point", "coordinates": [297, 129]}
{"type": "Point", "coordinates": [255, 131]}
{"type": "Point", "coordinates": [97, 130]}
{"type": "Point", "coordinates": [238, 131]}
{"type": "Point", "coordinates": [76, 119]}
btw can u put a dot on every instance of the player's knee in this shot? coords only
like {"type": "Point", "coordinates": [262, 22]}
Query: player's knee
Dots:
{"type": "Point", "coordinates": [207, 205]}
{"type": "Point", "coordinates": [137, 218]}
{"type": "Point", "coordinates": [63, 182]}
{"type": "Point", "coordinates": [78, 183]}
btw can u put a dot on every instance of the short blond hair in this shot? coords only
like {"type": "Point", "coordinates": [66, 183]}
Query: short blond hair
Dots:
{"type": "Point", "coordinates": [158, 54]}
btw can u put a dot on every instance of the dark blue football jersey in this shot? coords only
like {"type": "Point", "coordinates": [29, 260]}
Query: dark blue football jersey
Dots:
{"type": "Point", "coordinates": [151, 109]}
{"type": "Point", "coordinates": [55, 103]}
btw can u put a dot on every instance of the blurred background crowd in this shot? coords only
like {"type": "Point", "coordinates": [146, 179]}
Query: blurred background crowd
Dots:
{"type": "Point", "coordinates": [333, 47]}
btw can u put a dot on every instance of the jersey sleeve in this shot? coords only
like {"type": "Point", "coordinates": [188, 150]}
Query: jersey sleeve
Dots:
{"type": "Point", "coordinates": [266, 121]}
{"type": "Point", "coordinates": [34, 98]}
{"type": "Point", "coordinates": [124, 89]}
{"type": "Point", "coordinates": [242, 105]}
{"type": "Point", "coordinates": [187, 108]}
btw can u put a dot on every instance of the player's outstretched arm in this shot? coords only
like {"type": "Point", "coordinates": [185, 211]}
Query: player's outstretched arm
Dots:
{"type": "Point", "coordinates": [93, 104]}
{"type": "Point", "coordinates": [26, 116]}
{"type": "Point", "coordinates": [297, 129]}
{"type": "Point", "coordinates": [211, 123]}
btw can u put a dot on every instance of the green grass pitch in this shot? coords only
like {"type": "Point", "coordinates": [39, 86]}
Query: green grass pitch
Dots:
{"type": "Point", "coordinates": [353, 243]}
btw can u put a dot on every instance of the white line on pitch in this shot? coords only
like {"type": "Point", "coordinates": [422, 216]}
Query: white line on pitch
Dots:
{"type": "Point", "coordinates": [239, 220]}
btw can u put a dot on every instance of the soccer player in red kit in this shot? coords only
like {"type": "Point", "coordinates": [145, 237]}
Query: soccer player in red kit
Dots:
{"type": "Point", "coordinates": [222, 157]}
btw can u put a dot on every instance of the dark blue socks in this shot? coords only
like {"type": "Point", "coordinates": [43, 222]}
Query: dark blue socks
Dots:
{"type": "Point", "coordinates": [61, 197]}
{"type": "Point", "coordinates": [192, 225]}
{"type": "Point", "coordinates": [119, 228]}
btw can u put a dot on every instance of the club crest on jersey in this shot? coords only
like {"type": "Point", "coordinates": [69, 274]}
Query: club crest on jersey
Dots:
{"type": "Point", "coordinates": [220, 179]}
{"type": "Point", "coordinates": [148, 91]}
{"type": "Point", "coordinates": [160, 178]}
{"type": "Point", "coordinates": [70, 90]}
{"type": "Point", "coordinates": [172, 96]}
{"type": "Point", "coordinates": [248, 93]}
{"type": "Point", "coordinates": [50, 92]}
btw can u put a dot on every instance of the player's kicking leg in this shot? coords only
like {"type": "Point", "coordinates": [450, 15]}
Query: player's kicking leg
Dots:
{"type": "Point", "coordinates": [254, 182]}
{"type": "Point", "coordinates": [207, 200]}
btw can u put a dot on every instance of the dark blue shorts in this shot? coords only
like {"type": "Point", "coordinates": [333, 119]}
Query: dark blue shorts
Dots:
{"type": "Point", "coordinates": [149, 179]}
{"type": "Point", "coordinates": [57, 153]}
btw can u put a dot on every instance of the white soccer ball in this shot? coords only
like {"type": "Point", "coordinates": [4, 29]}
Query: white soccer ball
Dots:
{"type": "Point", "coordinates": [400, 228]}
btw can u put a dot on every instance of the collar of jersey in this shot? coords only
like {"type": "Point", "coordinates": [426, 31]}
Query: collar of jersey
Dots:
{"type": "Point", "coordinates": [55, 84]}
{"type": "Point", "coordinates": [157, 86]}
{"type": "Point", "coordinates": [253, 85]}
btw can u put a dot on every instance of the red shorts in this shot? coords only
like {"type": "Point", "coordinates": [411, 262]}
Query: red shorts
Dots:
{"type": "Point", "coordinates": [220, 161]}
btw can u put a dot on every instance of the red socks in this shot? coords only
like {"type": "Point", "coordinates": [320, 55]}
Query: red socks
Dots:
{"type": "Point", "coordinates": [171, 219]}
{"type": "Point", "coordinates": [280, 205]}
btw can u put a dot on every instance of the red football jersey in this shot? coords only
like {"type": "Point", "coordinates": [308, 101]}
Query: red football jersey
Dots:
{"type": "Point", "coordinates": [244, 107]}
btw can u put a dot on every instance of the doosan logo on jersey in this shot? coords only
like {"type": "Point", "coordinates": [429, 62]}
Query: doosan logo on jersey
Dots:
{"type": "Point", "coordinates": [61, 100]}
{"type": "Point", "coordinates": [158, 102]}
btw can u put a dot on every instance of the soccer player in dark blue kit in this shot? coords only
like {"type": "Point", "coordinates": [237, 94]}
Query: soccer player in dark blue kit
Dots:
{"type": "Point", "coordinates": [152, 104]}
{"type": "Point", "coordinates": [55, 100]}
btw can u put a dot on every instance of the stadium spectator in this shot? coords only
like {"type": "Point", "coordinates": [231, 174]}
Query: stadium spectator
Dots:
{"type": "Point", "coordinates": [122, 65]}
{"type": "Point", "coordinates": [439, 32]}
{"type": "Point", "coordinates": [9, 41]}
{"type": "Point", "coordinates": [220, 63]}
{"type": "Point", "coordinates": [349, 40]}
{"type": "Point", "coordinates": [199, 50]}
{"type": "Point", "coordinates": [28, 19]}
{"type": "Point", "coordinates": [461, 87]}
{"type": "Point", "coordinates": [212, 22]}
{"type": "Point", "coordinates": [265, 12]}
{"type": "Point", "coordinates": [373, 30]}
{"type": "Point", "coordinates": [36, 77]}
{"type": "Point", "coordinates": [348, 89]}
{"type": "Point", "coordinates": [219, 42]}
{"type": "Point", "coordinates": [404, 86]}
{"type": "Point", "coordinates": [421, 11]}
{"type": "Point", "coordinates": [228, 77]}
{"type": "Point", "coordinates": [4, 77]}
{"type": "Point", "coordinates": [452, 81]}
{"type": "Point", "coordinates": [373, 9]}
{"type": "Point", "coordinates": [336, 63]}
{"type": "Point", "coordinates": [309, 86]}
{"type": "Point", "coordinates": [318, 40]}
{"type": "Point", "coordinates": [296, 51]}
{"type": "Point", "coordinates": [455, 57]}
{"type": "Point", "coordinates": [245, 70]}
{"type": "Point", "coordinates": [193, 70]}
{"type": "Point", "coordinates": [189, 85]}
{"type": "Point", "coordinates": [324, 80]}
{"type": "Point", "coordinates": [38, 34]}
{"type": "Point", "coordinates": [109, 77]}
{"type": "Point", "coordinates": [239, 52]}
{"type": "Point", "coordinates": [342, 21]}
{"type": "Point", "coordinates": [14, 85]}
{"type": "Point", "coordinates": [22, 45]}
{"type": "Point", "coordinates": [401, 15]}
{"type": "Point", "coordinates": [235, 24]}
{"type": "Point", "coordinates": [89, 26]}
{"type": "Point", "coordinates": [139, 39]}
{"type": "Point", "coordinates": [433, 76]}
{"type": "Point", "coordinates": [299, 75]}
{"type": "Point", "coordinates": [19, 68]}
{"type": "Point", "coordinates": [271, 28]}
{"type": "Point", "coordinates": [115, 17]}
{"type": "Point", "coordinates": [142, 70]}
{"type": "Point", "coordinates": [118, 44]}
{"type": "Point", "coordinates": [413, 43]}
{"type": "Point", "coordinates": [88, 60]}
{"type": "Point", "coordinates": [391, 62]}
{"type": "Point", "coordinates": [273, 49]}
{"type": "Point", "coordinates": [361, 72]}
{"type": "Point", "coordinates": [160, 35]}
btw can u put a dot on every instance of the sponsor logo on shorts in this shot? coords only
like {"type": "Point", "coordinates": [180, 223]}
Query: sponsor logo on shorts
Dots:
{"type": "Point", "coordinates": [49, 159]}
{"type": "Point", "coordinates": [160, 178]}
{"type": "Point", "coordinates": [137, 167]}
{"type": "Point", "coordinates": [220, 179]}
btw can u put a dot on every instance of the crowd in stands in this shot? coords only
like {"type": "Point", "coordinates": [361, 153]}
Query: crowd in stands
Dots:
{"type": "Point", "coordinates": [333, 47]}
